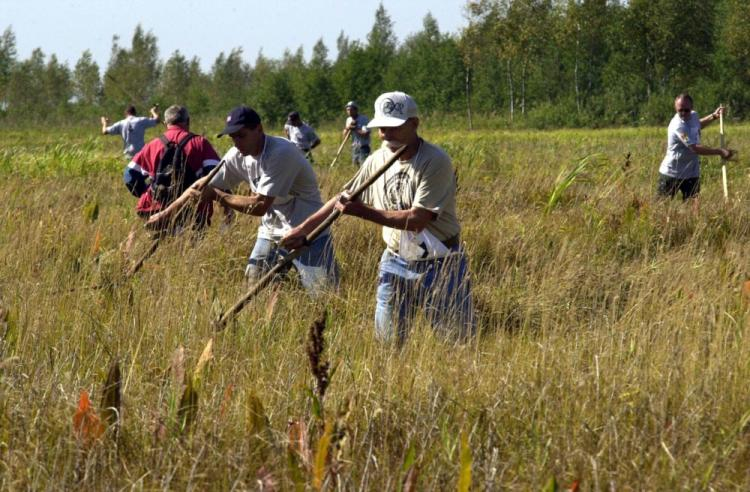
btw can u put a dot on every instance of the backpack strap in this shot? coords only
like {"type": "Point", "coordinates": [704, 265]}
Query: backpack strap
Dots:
{"type": "Point", "coordinates": [164, 141]}
{"type": "Point", "coordinates": [182, 143]}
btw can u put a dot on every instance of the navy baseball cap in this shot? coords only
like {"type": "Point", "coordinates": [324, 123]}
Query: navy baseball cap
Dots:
{"type": "Point", "coordinates": [240, 117]}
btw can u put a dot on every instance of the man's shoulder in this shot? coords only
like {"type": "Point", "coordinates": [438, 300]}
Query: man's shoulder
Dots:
{"type": "Point", "coordinates": [676, 123]}
{"type": "Point", "coordinates": [435, 149]}
{"type": "Point", "coordinates": [278, 146]}
{"type": "Point", "coordinates": [233, 157]}
{"type": "Point", "coordinates": [435, 154]}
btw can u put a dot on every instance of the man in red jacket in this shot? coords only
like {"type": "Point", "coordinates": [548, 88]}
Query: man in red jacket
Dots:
{"type": "Point", "coordinates": [199, 156]}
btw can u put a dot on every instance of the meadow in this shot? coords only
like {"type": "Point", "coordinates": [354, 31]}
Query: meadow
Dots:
{"type": "Point", "coordinates": [612, 354]}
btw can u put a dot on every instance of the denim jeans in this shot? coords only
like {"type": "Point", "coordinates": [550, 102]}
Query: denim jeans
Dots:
{"type": "Point", "coordinates": [359, 154]}
{"type": "Point", "coordinates": [316, 266]}
{"type": "Point", "coordinates": [440, 288]}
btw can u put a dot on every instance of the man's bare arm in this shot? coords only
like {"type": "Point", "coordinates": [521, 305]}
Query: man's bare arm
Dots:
{"type": "Point", "coordinates": [703, 150]}
{"type": "Point", "coordinates": [253, 204]}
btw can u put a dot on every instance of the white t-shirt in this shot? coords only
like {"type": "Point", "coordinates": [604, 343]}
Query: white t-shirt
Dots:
{"type": "Point", "coordinates": [302, 136]}
{"type": "Point", "coordinates": [280, 171]}
{"type": "Point", "coordinates": [680, 161]}
{"type": "Point", "coordinates": [425, 181]}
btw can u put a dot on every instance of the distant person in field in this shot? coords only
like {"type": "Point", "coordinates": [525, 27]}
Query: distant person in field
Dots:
{"type": "Point", "coordinates": [681, 167]}
{"type": "Point", "coordinates": [356, 124]}
{"type": "Point", "coordinates": [301, 134]}
{"type": "Point", "coordinates": [132, 129]}
{"type": "Point", "coordinates": [148, 175]}
{"type": "Point", "coordinates": [283, 193]}
{"type": "Point", "coordinates": [423, 268]}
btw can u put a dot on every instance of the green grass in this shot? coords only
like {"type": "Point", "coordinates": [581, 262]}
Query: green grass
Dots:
{"type": "Point", "coordinates": [613, 348]}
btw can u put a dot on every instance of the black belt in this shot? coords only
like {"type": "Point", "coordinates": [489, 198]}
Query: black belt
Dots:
{"type": "Point", "coordinates": [452, 242]}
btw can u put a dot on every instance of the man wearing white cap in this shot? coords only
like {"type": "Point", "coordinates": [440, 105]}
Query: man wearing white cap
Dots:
{"type": "Point", "coordinates": [356, 124]}
{"type": "Point", "coordinates": [423, 266]}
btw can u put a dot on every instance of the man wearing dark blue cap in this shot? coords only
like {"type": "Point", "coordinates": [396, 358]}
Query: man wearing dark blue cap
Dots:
{"type": "Point", "coordinates": [284, 192]}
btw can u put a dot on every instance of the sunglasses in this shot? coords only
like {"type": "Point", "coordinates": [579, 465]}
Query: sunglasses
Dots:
{"type": "Point", "coordinates": [684, 110]}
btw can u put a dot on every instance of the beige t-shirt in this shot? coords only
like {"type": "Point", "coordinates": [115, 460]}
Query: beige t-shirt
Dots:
{"type": "Point", "coordinates": [425, 181]}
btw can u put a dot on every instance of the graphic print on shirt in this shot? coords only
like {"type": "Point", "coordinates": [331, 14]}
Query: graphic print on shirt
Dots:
{"type": "Point", "coordinates": [397, 189]}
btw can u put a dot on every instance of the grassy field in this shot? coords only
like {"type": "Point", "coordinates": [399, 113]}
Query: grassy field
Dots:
{"type": "Point", "coordinates": [613, 351]}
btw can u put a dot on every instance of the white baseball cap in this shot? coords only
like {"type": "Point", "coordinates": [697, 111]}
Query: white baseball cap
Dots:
{"type": "Point", "coordinates": [393, 109]}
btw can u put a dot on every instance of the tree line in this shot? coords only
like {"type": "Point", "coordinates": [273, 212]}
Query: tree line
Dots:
{"type": "Point", "coordinates": [536, 63]}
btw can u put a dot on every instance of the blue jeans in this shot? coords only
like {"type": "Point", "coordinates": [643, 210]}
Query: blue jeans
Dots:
{"type": "Point", "coordinates": [440, 288]}
{"type": "Point", "coordinates": [316, 266]}
{"type": "Point", "coordinates": [359, 154]}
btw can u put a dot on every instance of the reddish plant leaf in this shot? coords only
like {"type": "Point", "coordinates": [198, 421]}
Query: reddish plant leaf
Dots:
{"type": "Point", "coordinates": [87, 425]}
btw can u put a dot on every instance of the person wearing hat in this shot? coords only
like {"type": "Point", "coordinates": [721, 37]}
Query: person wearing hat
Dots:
{"type": "Point", "coordinates": [423, 266]}
{"type": "Point", "coordinates": [199, 156]}
{"type": "Point", "coordinates": [284, 192]}
{"type": "Point", "coordinates": [132, 129]}
{"type": "Point", "coordinates": [356, 124]}
{"type": "Point", "coordinates": [301, 134]}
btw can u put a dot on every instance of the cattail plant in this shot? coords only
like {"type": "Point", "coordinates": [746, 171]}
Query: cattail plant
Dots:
{"type": "Point", "coordinates": [315, 349]}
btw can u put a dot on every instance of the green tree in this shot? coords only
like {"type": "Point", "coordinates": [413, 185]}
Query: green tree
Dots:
{"type": "Point", "coordinates": [272, 94]}
{"type": "Point", "coordinates": [132, 75]}
{"type": "Point", "coordinates": [429, 67]}
{"type": "Point", "coordinates": [378, 54]}
{"type": "Point", "coordinates": [197, 97]}
{"type": "Point", "coordinates": [87, 84]}
{"type": "Point", "coordinates": [174, 84]}
{"type": "Point", "coordinates": [315, 96]}
{"type": "Point", "coordinates": [733, 56]}
{"type": "Point", "coordinates": [26, 90]}
{"type": "Point", "coordinates": [7, 61]}
{"type": "Point", "coordinates": [230, 80]}
{"type": "Point", "coordinates": [58, 86]}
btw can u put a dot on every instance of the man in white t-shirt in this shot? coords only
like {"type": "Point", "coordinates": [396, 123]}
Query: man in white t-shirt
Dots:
{"type": "Point", "coordinates": [301, 134]}
{"type": "Point", "coordinates": [681, 169]}
{"type": "Point", "coordinates": [132, 129]}
{"type": "Point", "coordinates": [284, 192]}
{"type": "Point", "coordinates": [356, 124]}
{"type": "Point", "coordinates": [423, 266]}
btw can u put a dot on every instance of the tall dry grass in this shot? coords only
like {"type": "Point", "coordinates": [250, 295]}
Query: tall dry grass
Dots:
{"type": "Point", "coordinates": [613, 348]}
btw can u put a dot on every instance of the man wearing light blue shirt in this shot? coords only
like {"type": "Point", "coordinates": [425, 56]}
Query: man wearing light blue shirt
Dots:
{"type": "Point", "coordinates": [680, 169]}
{"type": "Point", "coordinates": [132, 129]}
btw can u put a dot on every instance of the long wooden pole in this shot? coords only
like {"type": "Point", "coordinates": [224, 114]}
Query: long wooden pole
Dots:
{"type": "Point", "coordinates": [221, 322]}
{"type": "Point", "coordinates": [341, 147]}
{"type": "Point", "coordinates": [157, 240]}
{"type": "Point", "coordinates": [723, 161]}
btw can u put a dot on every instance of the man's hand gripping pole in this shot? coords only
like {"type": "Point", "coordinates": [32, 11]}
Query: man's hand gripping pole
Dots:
{"type": "Point", "coordinates": [221, 322]}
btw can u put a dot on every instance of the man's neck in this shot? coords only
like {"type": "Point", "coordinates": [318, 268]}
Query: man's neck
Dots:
{"type": "Point", "coordinates": [261, 144]}
{"type": "Point", "coordinates": [178, 126]}
{"type": "Point", "coordinates": [411, 149]}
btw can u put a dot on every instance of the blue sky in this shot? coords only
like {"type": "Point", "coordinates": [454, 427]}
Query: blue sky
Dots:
{"type": "Point", "coordinates": [204, 28]}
